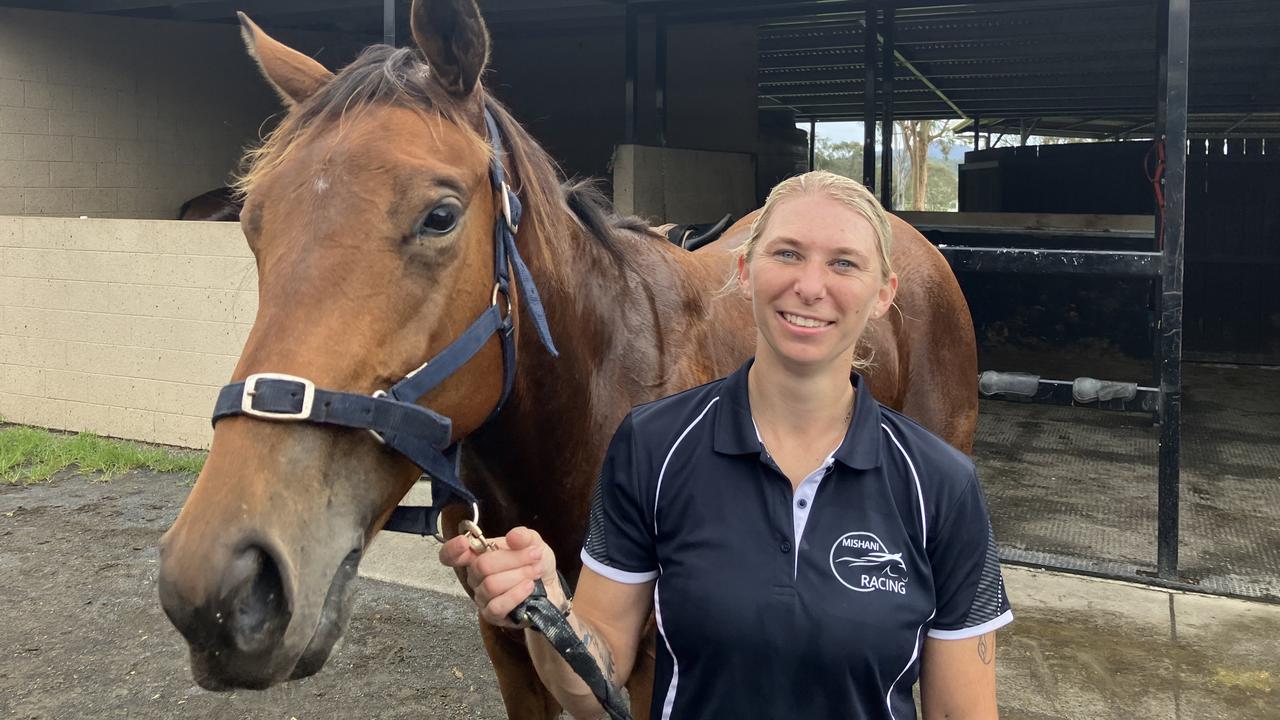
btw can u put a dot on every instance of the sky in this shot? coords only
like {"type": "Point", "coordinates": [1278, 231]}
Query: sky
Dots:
{"type": "Point", "coordinates": [838, 131]}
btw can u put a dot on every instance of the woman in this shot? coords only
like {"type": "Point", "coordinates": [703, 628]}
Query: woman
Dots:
{"type": "Point", "coordinates": [806, 552]}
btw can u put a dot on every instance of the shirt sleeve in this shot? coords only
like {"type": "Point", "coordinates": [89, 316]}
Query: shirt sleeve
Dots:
{"type": "Point", "coordinates": [968, 585]}
{"type": "Point", "coordinates": [620, 535]}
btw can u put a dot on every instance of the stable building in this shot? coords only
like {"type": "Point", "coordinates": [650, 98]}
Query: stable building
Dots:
{"type": "Point", "coordinates": [1111, 261]}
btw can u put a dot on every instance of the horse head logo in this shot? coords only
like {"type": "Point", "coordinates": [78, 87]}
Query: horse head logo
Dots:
{"type": "Point", "coordinates": [862, 562]}
{"type": "Point", "coordinates": [888, 563]}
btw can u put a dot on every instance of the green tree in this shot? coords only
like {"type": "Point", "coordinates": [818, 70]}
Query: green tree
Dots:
{"type": "Point", "coordinates": [917, 137]}
{"type": "Point", "coordinates": [845, 158]}
{"type": "Point", "coordinates": [943, 193]}
{"type": "Point", "coordinates": [842, 158]}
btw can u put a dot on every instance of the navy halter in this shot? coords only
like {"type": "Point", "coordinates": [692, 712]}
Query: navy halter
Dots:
{"type": "Point", "coordinates": [393, 416]}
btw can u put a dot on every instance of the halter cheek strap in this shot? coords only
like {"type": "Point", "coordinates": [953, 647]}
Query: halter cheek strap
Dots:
{"type": "Point", "coordinates": [394, 416]}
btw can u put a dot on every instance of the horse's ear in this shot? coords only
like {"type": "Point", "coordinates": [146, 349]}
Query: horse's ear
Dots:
{"type": "Point", "coordinates": [452, 36]}
{"type": "Point", "coordinates": [294, 75]}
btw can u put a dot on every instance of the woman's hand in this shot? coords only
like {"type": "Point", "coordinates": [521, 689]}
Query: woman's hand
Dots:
{"type": "Point", "coordinates": [501, 578]}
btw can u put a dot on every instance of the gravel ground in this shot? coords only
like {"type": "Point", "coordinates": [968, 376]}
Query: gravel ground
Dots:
{"type": "Point", "coordinates": [82, 634]}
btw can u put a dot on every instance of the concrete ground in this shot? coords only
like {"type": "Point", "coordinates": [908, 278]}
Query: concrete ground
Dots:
{"type": "Point", "coordinates": [82, 634]}
{"type": "Point", "coordinates": [1079, 647]}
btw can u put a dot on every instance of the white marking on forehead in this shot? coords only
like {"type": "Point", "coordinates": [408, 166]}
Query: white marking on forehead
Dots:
{"type": "Point", "coordinates": [322, 184]}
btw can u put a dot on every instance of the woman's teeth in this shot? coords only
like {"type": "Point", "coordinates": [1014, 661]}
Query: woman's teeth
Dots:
{"type": "Point", "coordinates": [804, 321]}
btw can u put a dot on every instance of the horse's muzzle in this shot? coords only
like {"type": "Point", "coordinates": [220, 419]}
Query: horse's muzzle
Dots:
{"type": "Point", "coordinates": [238, 628]}
{"type": "Point", "coordinates": [237, 624]}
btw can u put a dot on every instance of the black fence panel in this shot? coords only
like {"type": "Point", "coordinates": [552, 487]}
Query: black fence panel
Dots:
{"type": "Point", "coordinates": [1232, 244]}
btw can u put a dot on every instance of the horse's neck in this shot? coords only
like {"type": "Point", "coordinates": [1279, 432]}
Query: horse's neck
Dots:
{"type": "Point", "coordinates": [624, 337]}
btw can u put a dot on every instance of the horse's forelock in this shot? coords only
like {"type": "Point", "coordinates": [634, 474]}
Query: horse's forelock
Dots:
{"type": "Point", "coordinates": [381, 75]}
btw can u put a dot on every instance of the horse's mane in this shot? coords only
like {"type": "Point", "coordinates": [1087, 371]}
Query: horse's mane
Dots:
{"type": "Point", "coordinates": [383, 75]}
{"type": "Point", "coordinates": [597, 214]}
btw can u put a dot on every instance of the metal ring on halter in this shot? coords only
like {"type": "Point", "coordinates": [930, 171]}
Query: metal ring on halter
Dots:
{"type": "Point", "coordinates": [475, 521]}
{"type": "Point", "coordinates": [493, 302]}
{"type": "Point", "coordinates": [376, 435]}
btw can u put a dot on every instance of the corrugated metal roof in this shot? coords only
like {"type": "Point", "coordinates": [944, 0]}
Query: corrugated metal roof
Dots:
{"type": "Point", "coordinates": [1076, 67]}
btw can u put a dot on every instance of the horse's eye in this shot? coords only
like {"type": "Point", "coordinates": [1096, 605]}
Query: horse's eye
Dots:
{"type": "Point", "coordinates": [440, 220]}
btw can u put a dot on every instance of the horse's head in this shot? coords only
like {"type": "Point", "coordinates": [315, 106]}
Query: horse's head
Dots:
{"type": "Point", "coordinates": [371, 215]}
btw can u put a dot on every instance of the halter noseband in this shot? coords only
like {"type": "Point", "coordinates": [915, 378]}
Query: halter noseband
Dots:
{"type": "Point", "coordinates": [393, 416]}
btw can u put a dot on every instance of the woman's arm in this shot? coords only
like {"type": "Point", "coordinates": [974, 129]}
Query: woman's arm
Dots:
{"type": "Point", "coordinates": [958, 678]}
{"type": "Point", "coordinates": [608, 615]}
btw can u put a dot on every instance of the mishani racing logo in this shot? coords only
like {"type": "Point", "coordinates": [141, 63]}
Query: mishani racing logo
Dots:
{"type": "Point", "coordinates": [861, 562]}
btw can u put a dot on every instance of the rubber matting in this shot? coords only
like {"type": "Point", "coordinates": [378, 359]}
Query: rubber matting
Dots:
{"type": "Point", "coordinates": [1076, 488]}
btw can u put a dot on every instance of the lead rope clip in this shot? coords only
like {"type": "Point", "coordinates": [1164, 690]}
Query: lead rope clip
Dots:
{"type": "Point", "coordinates": [476, 540]}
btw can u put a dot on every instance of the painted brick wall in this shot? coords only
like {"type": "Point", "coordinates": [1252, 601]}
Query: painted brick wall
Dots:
{"type": "Point", "coordinates": [125, 328]}
{"type": "Point", "coordinates": [124, 117]}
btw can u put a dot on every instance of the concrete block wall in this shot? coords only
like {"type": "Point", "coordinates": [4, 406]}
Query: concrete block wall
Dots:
{"type": "Point", "coordinates": [663, 184]}
{"type": "Point", "coordinates": [124, 117]}
{"type": "Point", "coordinates": [125, 328]}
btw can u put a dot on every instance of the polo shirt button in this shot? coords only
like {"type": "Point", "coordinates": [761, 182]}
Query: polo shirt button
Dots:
{"type": "Point", "coordinates": [785, 546]}
{"type": "Point", "coordinates": [802, 503]}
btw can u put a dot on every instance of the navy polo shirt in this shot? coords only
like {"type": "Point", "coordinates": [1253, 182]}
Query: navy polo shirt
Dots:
{"type": "Point", "coordinates": [774, 604]}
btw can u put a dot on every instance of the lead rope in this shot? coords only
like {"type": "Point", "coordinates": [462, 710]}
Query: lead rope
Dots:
{"type": "Point", "coordinates": [539, 613]}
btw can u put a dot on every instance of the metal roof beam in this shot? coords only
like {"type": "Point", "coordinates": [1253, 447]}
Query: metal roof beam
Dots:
{"type": "Point", "coordinates": [1070, 86]}
{"type": "Point", "coordinates": [1049, 95]}
{"type": "Point", "coordinates": [916, 71]}
{"type": "Point", "coordinates": [1004, 108]}
{"type": "Point", "coordinates": [962, 76]}
{"type": "Point", "coordinates": [226, 9]}
{"type": "Point", "coordinates": [89, 6]}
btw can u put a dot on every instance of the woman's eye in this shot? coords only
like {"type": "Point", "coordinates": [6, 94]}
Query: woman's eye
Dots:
{"type": "Point", "coordinates": [845, 265]}
{"type": "Point", "coordinates": [440, 220]}
{"type": "Point", "coordinates": [786, 254]}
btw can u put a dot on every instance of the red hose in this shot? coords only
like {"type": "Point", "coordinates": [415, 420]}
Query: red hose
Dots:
{"type": "Point", "coordinates": [1157, 184]}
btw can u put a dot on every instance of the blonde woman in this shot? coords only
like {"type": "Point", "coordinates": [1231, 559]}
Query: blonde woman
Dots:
{"type": "Point", "coordinates": [807, 552]}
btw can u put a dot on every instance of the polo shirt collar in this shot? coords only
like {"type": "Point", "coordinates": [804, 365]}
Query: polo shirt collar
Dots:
{"type": "Point", "coordinates": [735, 433]}
{"type": "Point", "coordinates": [861, 446]}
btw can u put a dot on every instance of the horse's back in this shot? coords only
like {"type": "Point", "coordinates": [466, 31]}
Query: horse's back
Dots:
{"type": "Point", "coordinates": [935, 340]}
{"type": "Point", "coordinates": [220, 205]}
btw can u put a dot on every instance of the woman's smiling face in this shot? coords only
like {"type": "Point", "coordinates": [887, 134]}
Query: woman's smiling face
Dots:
{"type": "Point", "coordinates": [814, 280]}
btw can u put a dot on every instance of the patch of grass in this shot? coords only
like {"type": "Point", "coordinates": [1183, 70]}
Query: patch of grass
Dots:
{"type": "Point", "coordinates": [29, 455]}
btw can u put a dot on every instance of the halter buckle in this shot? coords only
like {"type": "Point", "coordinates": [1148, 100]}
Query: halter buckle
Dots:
{"type": "Point", "coordinates": [377, 394]}
{"type": "Point", "coordinates": [251, 389]}
{"type": "Point", "coordinates": [506, 208]}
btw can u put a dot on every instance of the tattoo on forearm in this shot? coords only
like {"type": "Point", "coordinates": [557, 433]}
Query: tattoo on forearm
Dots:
{"type": "Point", "coordinates": [986, 652]}
{"type": "Point", "coordinates": [598, 649]}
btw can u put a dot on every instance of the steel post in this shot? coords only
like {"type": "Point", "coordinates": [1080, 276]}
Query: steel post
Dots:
{"type": "Point", "coordinates": [1175, 100]}
{"type": "Point", "coordinates": [887, 64]}
{"type": "Point", "coordinates": [660, 79]}
{"type": "Point", "coordinates": [813, 144]}
{"type": "Point", "coordinates": [630, 30]}
{"type": "Point", "coordinates": [869, 99]}
{"type": "Point", "coordinates": [389, 22]}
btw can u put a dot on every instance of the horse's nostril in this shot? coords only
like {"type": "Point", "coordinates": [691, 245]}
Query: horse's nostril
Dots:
{"type": "Point", "coordinates": [257, 613]}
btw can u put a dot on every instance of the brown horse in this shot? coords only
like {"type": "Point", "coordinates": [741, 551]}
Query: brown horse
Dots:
{"type": "Point", "coordinates": [220, 205]}
{"type": "Point", "coordinates": [371, 217]}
